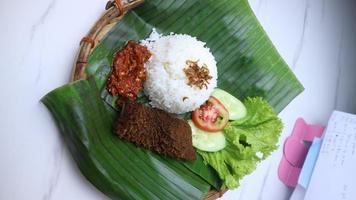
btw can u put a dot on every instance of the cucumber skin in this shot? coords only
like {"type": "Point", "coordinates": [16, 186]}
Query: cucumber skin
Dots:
{"type": "Point", "coordinates": [210, 142]}
{"type": "Point", "coordinates": [236, 108]}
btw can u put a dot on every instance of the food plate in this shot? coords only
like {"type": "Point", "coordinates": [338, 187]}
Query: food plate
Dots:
{"type": "Point", "coordinates": [248, 66]}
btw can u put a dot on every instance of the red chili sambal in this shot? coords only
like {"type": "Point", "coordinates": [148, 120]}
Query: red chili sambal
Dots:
{"type": "Point", "coordinates": [128, 71]}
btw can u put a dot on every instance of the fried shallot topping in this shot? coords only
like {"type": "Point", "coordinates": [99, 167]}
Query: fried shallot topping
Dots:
{"type": "Point", "coordinates": [197, 76]}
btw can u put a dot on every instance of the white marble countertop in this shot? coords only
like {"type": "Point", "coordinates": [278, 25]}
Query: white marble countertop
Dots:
{"type": "Point", "coordinates": [39, 40]}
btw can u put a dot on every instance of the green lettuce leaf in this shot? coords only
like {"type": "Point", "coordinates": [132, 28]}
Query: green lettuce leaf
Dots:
{"type": "Point", "coordinates": [249, 141]}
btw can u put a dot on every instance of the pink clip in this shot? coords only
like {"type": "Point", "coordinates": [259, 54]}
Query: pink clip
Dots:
{"type": "Point", "coordinates": [295, 150]}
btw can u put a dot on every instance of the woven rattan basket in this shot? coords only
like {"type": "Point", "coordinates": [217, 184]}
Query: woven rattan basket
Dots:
{"type": "Point", "coordinates": [115, 10]}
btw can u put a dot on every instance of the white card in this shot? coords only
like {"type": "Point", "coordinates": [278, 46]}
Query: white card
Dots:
{"type": "Point", "coordinates": [334, 175]}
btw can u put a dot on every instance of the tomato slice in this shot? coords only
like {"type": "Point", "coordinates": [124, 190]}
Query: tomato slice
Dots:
{"type": "Point", "coordinates": [211, 116]}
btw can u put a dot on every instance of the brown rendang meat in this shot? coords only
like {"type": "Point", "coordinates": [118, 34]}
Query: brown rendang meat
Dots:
{"type": "Point", "coordinates": [155, 130]}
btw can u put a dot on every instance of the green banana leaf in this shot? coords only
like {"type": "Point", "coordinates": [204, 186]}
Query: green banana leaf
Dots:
{"type": "Point", "coordinates": [118, 168]}
{"type": "Point", "coordinates": [248, 65]}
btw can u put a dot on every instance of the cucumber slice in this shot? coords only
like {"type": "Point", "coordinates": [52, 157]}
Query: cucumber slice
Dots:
{"type": "Point", "coordinates": [206, 141]}
{"type": "Point", "coordinates": [236, 108]}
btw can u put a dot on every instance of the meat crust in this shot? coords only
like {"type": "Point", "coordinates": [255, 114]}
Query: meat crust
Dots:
{"type": "Point", "coordinates": [155, 130]}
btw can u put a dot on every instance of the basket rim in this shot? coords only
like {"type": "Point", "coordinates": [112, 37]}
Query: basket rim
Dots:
{"type": "Point", "coordinates": [111, 16]}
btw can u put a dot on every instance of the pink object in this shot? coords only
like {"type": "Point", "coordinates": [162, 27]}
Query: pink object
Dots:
{"type": "Point", "coordinates": [295, 150]}
{"type": "Point", "coordinates": [287, 173]}
{"type": "Point", "coordinates": [306, 132]}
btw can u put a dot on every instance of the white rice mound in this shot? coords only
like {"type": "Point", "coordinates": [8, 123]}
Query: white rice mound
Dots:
{"type": "Point", "coordinates": [166, 83]}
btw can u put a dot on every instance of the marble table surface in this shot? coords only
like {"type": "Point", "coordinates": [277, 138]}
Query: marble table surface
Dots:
{"type": "Point", "coordinates": [38, 43]}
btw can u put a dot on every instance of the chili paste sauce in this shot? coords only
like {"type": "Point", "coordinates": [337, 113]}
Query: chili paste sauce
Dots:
{"type": "Point", "coordinates": [128, 71]}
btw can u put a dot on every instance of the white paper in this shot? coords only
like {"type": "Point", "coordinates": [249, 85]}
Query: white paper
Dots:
{"type": "Point", "coordinates": [334, 176]}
